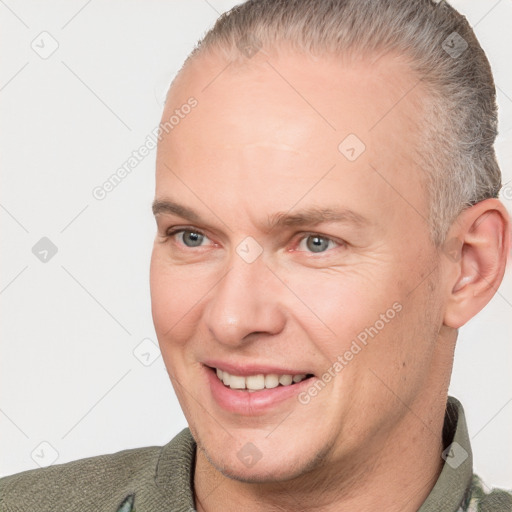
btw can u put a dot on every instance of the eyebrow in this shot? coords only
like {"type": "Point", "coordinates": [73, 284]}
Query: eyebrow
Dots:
{"type": "Point", "coordinates": [306, 217]}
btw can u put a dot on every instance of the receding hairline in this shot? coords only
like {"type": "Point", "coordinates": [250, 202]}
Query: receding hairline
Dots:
{"type": "Point", "coordinates": [369, 63]}
{"type": "Point", "coordinates": [230, 59]}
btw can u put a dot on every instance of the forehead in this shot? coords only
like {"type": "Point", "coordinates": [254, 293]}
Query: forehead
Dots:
{"type": "Point", "coordinates": [293, 96]}
{"type": "Point", "coordinates": [287, 119]}
{"type": "Point", "coordinates": [381, 82]}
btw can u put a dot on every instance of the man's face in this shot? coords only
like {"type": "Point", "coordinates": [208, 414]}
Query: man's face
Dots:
{"type": "Point", "coordinates": [258, 284]}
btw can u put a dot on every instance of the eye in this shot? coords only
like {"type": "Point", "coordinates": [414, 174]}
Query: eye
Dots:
{"type": "Point", "coordinates": [316, 243]}
{"type": "Point", "coordinates": [188, 237]}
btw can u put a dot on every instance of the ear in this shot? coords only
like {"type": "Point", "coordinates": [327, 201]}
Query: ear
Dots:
{"type": "Point", "coordinates": [476, 247]}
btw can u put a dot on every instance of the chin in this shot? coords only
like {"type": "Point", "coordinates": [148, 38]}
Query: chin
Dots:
{"type": "Point", "coordinates": [260, 473]}
{"type": "Point", "coordinates": [268, 466]}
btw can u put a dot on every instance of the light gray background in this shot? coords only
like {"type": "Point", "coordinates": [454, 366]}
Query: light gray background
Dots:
{"type": "Point", "coordinates": [69, 376]}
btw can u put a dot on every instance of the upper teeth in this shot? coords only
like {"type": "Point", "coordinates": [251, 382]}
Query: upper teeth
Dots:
{"type": "Point", "coordinates": [260, 381]}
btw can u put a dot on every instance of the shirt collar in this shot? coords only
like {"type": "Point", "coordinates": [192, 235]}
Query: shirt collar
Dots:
{"type": "Point", "coordinates": [452, 487]}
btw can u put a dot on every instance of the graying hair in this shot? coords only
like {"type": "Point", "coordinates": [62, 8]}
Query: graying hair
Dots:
{"type": "Point", "coordinates": [457, 152]}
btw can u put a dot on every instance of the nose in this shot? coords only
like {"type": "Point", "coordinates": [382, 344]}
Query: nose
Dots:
{"type": "Point", "coordinates": [246, 302]}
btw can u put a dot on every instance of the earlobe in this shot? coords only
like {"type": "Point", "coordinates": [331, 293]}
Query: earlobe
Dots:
{"type": "Point", "coordinates": [477, 261]}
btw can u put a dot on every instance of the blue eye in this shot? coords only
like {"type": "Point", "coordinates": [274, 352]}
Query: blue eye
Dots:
{"type": "Point", "coordinates": [189, 237]}
{"type": "Point", "coordinates": [313, 243]}
{"type": "Point", "coordinates": [317, 243]}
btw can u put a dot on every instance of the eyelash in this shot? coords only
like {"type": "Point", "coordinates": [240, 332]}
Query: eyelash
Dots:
{"type": "Point", "coordinates": [171, 232]}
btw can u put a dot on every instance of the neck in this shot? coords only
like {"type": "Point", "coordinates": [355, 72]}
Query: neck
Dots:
{"type": "Point", "coordinates": [396, 473]}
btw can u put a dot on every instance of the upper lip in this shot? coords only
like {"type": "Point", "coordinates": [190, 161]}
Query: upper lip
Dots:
{"type": "Point", "coordinates": [252, 369]}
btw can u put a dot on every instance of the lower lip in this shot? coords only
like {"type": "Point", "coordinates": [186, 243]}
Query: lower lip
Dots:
{"type": "Point", "coordinates": [252, 403]}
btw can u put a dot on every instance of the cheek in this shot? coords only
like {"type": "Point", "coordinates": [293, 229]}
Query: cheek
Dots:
{"type": "Point", "coordinates": [173, 297]}
{"type": "Point", "coordinates": [342, 303]}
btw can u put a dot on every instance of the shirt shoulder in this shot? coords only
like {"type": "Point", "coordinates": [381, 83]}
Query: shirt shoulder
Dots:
{"type": "Point", "coordinates": [104, 482]}
{"type": "Point", "coordinates": [481, 498]}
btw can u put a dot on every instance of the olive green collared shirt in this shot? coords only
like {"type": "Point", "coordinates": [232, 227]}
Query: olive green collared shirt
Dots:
{"type": "Point", "coordinates": [160, 478]}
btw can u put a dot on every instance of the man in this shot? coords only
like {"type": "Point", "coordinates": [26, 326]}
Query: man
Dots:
{"type": "Point", "coordinates": [327, 219]}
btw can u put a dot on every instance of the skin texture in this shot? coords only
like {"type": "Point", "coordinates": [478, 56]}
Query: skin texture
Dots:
{"type": "Point", "coordinates": [264, 139]}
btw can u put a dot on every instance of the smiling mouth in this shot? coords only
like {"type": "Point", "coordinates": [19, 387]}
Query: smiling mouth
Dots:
{"type": "Point", "coordinates": [259, 381]}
